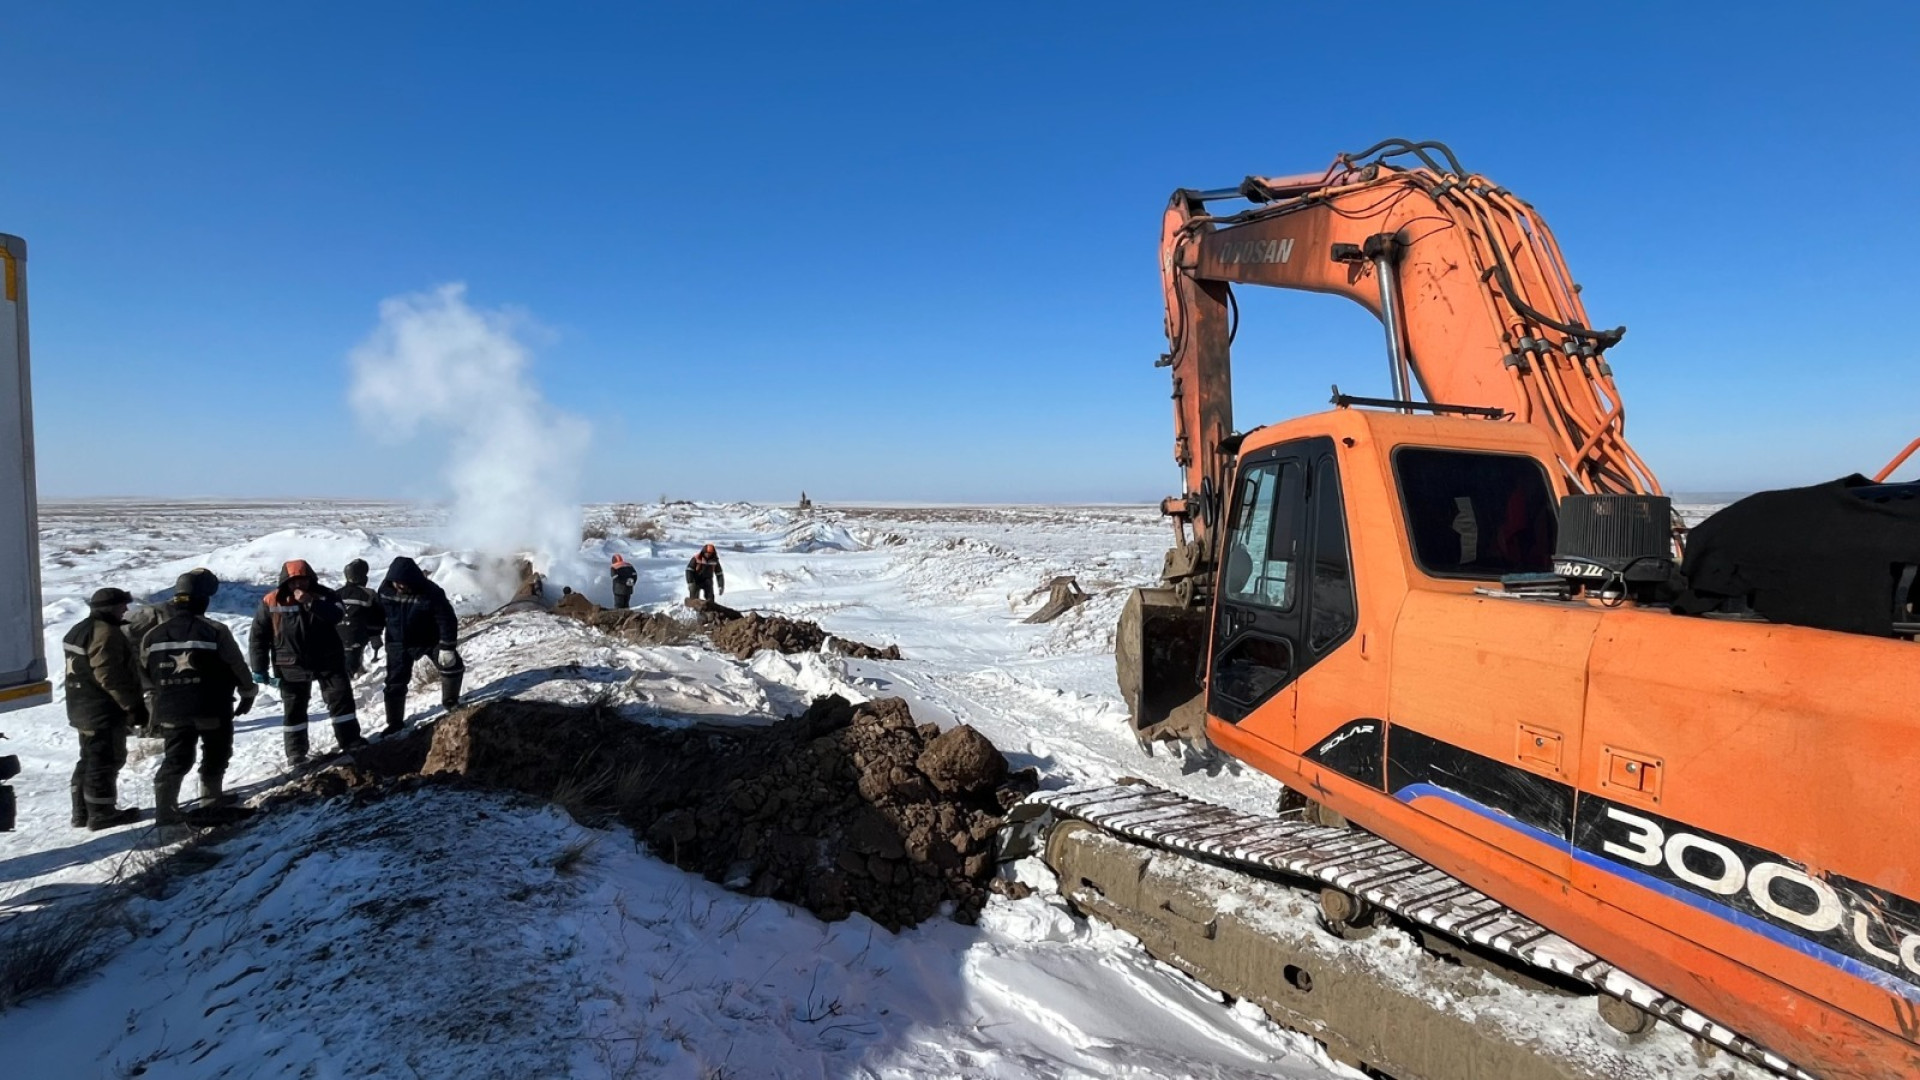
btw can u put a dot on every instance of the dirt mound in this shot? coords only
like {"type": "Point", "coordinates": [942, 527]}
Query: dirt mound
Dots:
{"type": "Point", "coordinates": [646, 628]}
{"type": "Point", "coordinates": [575, 605]}
{"type": "Point", "coordinates": [751, 633]}
{"type": "Point", "coordinates": [862, 652]}
{"type": "Point", "coordinates": [741, 634]}
{"type": "Point", "coordinates": [962, 762]}
{"type": "Point", "coordinates": [834, 809]}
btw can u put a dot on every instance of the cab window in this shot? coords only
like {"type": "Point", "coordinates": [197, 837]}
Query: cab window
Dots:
{"type": "Point", "coordinates": [1476, 515]}
{"type": "Point", "coordinates": [1265, 538]}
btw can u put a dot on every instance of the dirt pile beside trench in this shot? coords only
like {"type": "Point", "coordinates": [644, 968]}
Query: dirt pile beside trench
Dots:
{"type": "Point", "coordinates": [643, 627]}
{"type": "Point", "coordinates": [751, 633]}
{"type": "Point", "coordinates": [843, 808]}
{"type": "Point", "coordinates": [741, 634]}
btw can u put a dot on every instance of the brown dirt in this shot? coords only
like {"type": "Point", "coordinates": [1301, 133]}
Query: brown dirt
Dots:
{"type": "Point", "coordinates": [753, 632]}
{"type": "Point", "coordinates": [741, 634]}
{"type": "Point", "coordinates": [750, 633]}
{"type": "Point", "coordinates": [961, 761]}
{"type": "Point", "coordinates": [832, 809]}
{"type": "Point", "coordinates": [642, 627]}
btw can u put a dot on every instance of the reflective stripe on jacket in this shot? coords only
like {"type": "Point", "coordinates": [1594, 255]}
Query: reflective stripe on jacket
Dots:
{"type": "Point", "coordinates": [298, 636]}
{"type": "Point", "coordinates": [194, 667]}
{"type": "Point", "coordinates": [102, 676]}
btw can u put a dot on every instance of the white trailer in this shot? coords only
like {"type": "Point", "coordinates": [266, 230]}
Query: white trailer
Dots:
{"type": "Point", "coordinates": [23, 658]}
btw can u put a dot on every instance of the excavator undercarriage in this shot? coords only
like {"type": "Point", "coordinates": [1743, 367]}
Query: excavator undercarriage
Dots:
{"type": "Point", "coordinates": [1319, 924]}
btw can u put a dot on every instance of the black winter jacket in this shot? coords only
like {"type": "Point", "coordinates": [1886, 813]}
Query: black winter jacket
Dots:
{"type": "Point", "coordinates": [103, 677]}
{"type": "Point", "coordinates": [421, 617]}
{"type": "Point", "coordinates": [703, 567]}
{"type": "Point", "coordinates": [365, 620]}
{"type": "Point", "coordinates": [623, 580]}
{"type": "Point", "coordinates": [195, 668]}
{"type": "Point", "coordinates": [299, 637]}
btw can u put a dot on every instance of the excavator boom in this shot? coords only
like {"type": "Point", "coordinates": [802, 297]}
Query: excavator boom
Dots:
{"type": "Point", "coordinates": [1478, 306]}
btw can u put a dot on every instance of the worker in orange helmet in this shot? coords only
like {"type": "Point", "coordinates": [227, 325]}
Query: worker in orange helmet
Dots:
{"type": "Point", "coordinates": [624, 575]}
{"type": "Point", "coordinates": [703, 572]}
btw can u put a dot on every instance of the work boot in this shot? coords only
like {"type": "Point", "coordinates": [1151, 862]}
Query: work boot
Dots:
{"type": "Point", "coordinates": [213, 792]}
{"type": "Point", "coordinates": [166, 801]}
{"type": "Point", "coordinates": [106, 817]}
{"type": "Point", "coordinates": [346, 732]}
{"type": "Point", "coordinates": [79, 807]}
{"type": "Point", "coordinates": [450, 691]}
{"type": "Point", "coordinates": [396, 711]}
{"type": "Point", "coordinates": [296, 744]}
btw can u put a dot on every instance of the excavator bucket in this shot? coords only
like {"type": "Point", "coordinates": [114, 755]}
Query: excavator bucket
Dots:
{"type": "Point", "coordinates": [1064, 594]}
{"type": "Point", "coordinates": [1157, 653]}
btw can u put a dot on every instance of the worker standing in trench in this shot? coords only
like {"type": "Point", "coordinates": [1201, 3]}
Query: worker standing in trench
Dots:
{"type": "Point", "coordinates": [420, 622]}
{"type": "Point", "coordinates": [703, 572]}
{"type": "Point", "coordinates": [624, 576]}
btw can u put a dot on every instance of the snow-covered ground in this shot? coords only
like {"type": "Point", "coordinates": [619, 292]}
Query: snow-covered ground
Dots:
{"type": "Point", "coordinates": [441, 933]}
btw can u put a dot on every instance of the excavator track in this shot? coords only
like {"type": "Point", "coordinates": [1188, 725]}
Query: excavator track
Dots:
{"type": "Point", "coordinates": [1386, 876]}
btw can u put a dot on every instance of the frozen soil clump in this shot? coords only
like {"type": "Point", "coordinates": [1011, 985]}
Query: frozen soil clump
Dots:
{"type": "Point", "coordinates": [842, 808]}
{"type": "Point", "coordinates": [751, 633]}
{"type": "Point", "coordinates": [642, 627]}
{"type": "Point", "coordinates": [739, 633]}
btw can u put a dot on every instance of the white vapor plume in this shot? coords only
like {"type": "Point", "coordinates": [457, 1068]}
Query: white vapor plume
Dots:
{"type": "Point", "coordinates": [438, 366]}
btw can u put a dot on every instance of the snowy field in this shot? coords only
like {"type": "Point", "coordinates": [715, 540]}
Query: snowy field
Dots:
{"type": "Point", "coordinates": [436, 934]}
{"type": "Point", "coordinates": [442, 933]}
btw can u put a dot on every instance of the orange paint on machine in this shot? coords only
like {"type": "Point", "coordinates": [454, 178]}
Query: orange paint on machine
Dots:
{"type": "Point", "coordinates": [1454, 617]}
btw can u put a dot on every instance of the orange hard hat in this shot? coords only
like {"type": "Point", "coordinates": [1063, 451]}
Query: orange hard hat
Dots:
{"type": "Point", "coordinates": [296, 568]}
{"type": "Point", "coordinates": [619, 560]}
{"type": "Point", "coordinates": [708, 550]}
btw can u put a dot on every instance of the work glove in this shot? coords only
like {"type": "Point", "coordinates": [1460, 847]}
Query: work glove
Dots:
{"type": "Point", "coordinates": [138, 719]}
{"type": "Point", "coordinates": [245, 706]}
{"type": "Point", "coordinates": [723, 588]}
{"type": "Point", "coordinates": [446, 659]}
{"type": "Point", "coordinates": [265, 680]}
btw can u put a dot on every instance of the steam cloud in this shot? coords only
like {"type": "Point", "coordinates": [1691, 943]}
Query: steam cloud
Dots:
{"type": "Point", "coordinates": [436, 365]}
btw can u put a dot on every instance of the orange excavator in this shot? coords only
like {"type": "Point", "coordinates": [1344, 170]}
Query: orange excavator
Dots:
{"type": "Point", "coordinates": [1450, 616]}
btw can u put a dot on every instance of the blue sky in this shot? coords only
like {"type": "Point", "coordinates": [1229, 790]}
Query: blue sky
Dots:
{"type": "Point", "coordinates": [907, 251]}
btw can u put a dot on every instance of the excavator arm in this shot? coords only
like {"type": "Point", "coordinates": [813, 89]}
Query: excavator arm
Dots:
{"type": "Point", "coordinates": [1480, 313]}
{"type": "Point", "coordinates": [1478, 307]}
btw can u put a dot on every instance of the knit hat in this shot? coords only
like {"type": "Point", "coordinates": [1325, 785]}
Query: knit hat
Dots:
{"type": "Point", "coordinates": [108, 598]}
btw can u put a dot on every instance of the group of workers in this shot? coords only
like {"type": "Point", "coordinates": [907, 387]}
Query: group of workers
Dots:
{"type": "Point", "coordinates": [175, 671]}
{"type": "Point", "coordinates": [703, 573]}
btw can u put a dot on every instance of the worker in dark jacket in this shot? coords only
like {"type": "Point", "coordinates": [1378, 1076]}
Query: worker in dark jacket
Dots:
{"type": "Point", "coordinates": [420, 622]}
{"type": "Point", "coordinates": [103, 702]}
{"type": "Point", "coordinates": [140, 623]}
{"type": "Point", "coordinates": [624, 576]}
{"type": "Point", "coordinates": [296, 644]}
{"type": "Point", "coordinates": [195, 668]}
{"type": "Point", "coordinates": [703, 571]}
{"type": "Point", "coordinates": [364, 622]}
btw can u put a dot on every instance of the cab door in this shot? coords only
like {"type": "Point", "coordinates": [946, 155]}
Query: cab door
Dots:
{"type": "Point", "coordinates": [1274, 615]}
